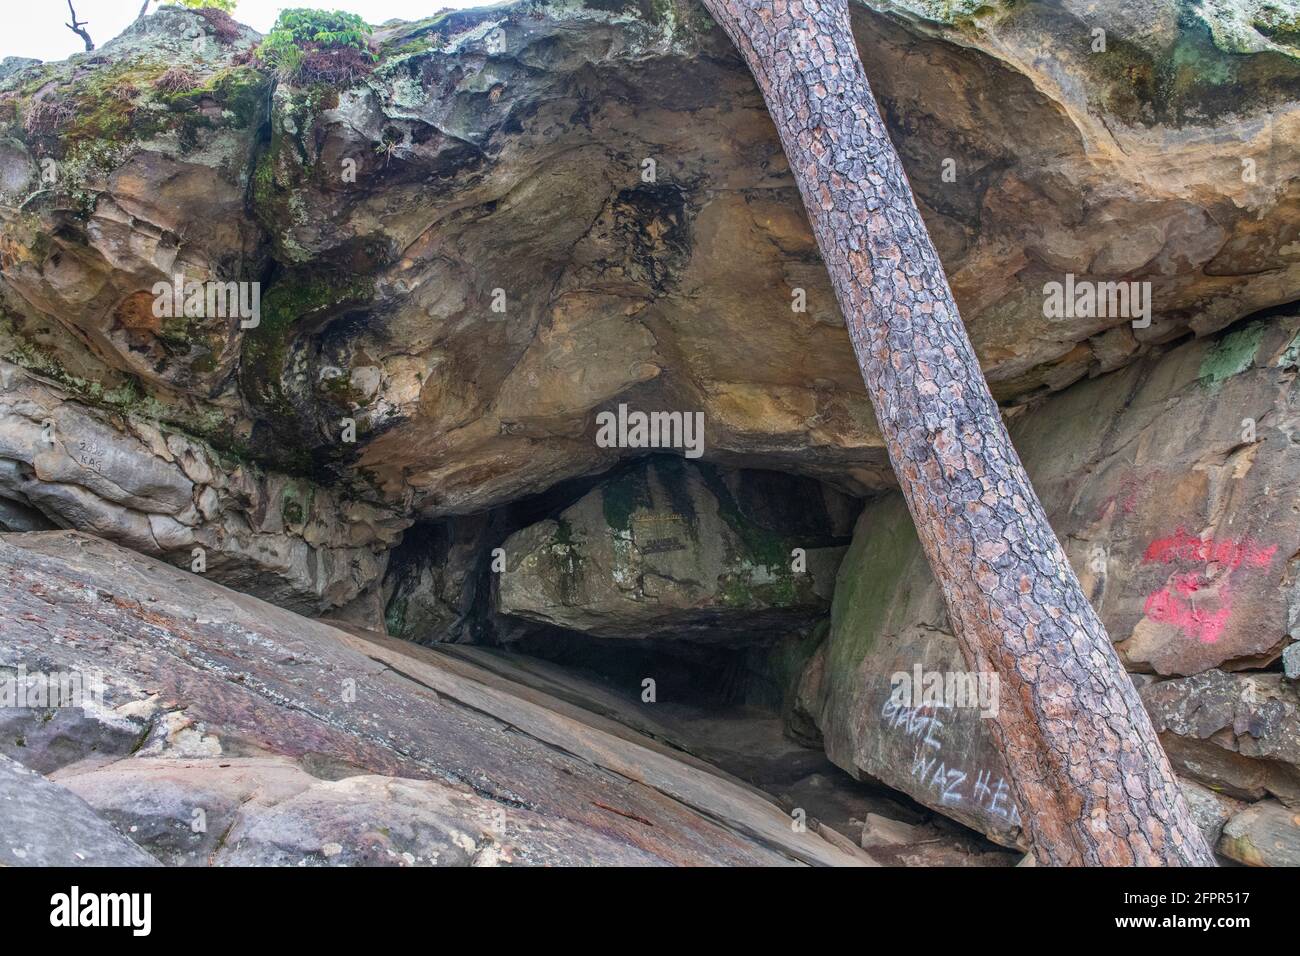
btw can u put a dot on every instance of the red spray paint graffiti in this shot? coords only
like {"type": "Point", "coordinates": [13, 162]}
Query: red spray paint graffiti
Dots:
{"type": "Point", "coordinates": [1176, 603]}
{"type": "Point", "coordinates": [1187, 547]}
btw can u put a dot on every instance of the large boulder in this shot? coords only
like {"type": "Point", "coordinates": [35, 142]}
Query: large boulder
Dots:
{"type": "Point", "coordinates": [668, 548]}
{"type": "Point", "coordinates": [1169, 486]}
{"type": "Point", "coordinates": [121, 169]}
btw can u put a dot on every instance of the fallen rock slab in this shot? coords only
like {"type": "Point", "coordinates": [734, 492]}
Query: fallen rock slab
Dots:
{"type": "Point", "coordinates": [222, 673]}
{"type": "Point", "coordinates": [1166, 483]}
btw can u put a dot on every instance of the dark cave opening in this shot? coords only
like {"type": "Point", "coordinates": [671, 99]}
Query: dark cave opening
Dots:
{"type": "Point", "coordinates": [718, 684]}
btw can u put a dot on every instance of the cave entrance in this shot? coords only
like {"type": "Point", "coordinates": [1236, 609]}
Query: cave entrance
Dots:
{"type": "Point", "coordinates": [726, 707]}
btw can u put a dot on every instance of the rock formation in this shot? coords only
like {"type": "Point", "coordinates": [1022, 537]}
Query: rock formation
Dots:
{"type": "Point", "coordinates": [439, 269]}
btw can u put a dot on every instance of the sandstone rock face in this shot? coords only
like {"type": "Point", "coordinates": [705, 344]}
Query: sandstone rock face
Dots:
{"type": "Point", "coordinates": [671, 549]}
{"type": "Point", "coordinates": [42, 824]}
{"type": "Point", "coordinates": [1265, 834]}
{"type": "Point", "coordinates": [1171, 485]}
{"type": "Point", "coordinates": [164, 493]}
{"type": "Point", "coordinates": [1239, 733]}
{"type": "Point", "coordinates": [182, 809]}
{"type": "Point", "coordinates": [334, 747]}
{"type": "Point", "coordinates": [113, 182]}
{"type": "Point", "coordinates": [529, 213]}
{"type": "Point", "coordinates": [887, 617]}
{"type": "Point", "coordinates": [520, 217]}
{"type": "Point", "coordinates": [426, 823]}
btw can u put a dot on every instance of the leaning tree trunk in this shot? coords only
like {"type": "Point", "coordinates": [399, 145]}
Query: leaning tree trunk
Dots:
{"type": "Point", "coordinates": [1085, 761]}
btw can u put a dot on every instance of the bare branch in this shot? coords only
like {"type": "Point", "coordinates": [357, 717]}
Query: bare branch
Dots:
{"type": "Point", "coordinates": [79, 28]}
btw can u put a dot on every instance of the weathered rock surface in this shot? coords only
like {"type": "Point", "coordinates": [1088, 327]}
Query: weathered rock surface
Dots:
{"type": "Point", "coordinates": [42, 824]}
{"type": "Point", "coordinates": [161, 492]}
{"type": "Point", "coordinates": [504, 149]}
{"type": "Point", "coordinates": [377, 821]}
{"type": "Point", "coordinates": [1238, 733]}
{"type": "Point", "coordinates": [523, 216]}
{"type": "Point", "coordinates": [46, 737]}
{"type": "Point", "coordinates": [1171, 484]}
{"type": "Point", "coordinates": [669, 548]}
{"type": "Point", "coordinates": [182, 809]}
{"type": "Point", "coordinates": [1209, 809]}
{"type": "Point", "coordinates": [407, 752]}
{"type": "Point", "coordinates": [1265, 834]}
{"type": "Point", "coordinates": [113, 182]}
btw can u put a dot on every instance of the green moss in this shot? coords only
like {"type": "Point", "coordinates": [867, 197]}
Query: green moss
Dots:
{"type": "Point", "coordinates": [624, 494]}
{"type": "Point", "coordinates": [1231, 355]}
{"type": "Point", "coordinates": [761, 546]}
{"type": "Point", "coordinates": [283, 173]}
{"type": "Point", "coordinates": [407, 45]}
{"type": "Point", "coordinates": [99, 115]}
{"type": "Point", "coordinates": [264, 181]}
{"type": "Point", "coordinates": [289, 300]}
{"type": "Point", "coordinates": [207, 425]}
{"type": "Point", "coordinates": [239, 90]}
{"type": "Point", "coordinates": [566, 562]}
{"type": "Point", "coordinates": [873, 580]}
{"type": "Point", "coordinates": [395, 616]}
{"type": "Point", "coordinates": [1290, 355]}
{"type": "Point", "coordinates": [107, 103]}
{"type": "Point", "coordinates": [296, 501]}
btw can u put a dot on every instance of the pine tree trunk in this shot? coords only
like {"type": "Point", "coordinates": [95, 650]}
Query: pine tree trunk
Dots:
{"type": "Point", "coordinates": [1087, 767]}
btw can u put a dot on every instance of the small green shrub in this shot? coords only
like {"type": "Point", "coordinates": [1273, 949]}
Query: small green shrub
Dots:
{"type": "Point", "coordinates": [318, 46]}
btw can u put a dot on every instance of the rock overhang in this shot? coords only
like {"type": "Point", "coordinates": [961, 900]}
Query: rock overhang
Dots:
{"type": "Point", "coordinates": [502, 152]}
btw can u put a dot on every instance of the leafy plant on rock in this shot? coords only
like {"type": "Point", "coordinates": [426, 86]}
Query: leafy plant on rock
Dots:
{"type": "Point", "coordinates": [318, 46]}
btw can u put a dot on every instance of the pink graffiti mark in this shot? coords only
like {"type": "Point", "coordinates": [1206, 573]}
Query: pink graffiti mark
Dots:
{"type": "Point", "coordinates": [1176, 603]}
{"type": "Point", "coordinates": [1189, 547]}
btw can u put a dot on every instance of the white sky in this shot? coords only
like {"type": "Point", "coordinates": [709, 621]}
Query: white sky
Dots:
{"type": "Point", "coordinates": [36, 27]}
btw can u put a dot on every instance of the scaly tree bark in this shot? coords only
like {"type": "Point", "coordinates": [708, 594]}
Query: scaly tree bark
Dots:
{"type": "Point", "coordinates": [1088, 769]}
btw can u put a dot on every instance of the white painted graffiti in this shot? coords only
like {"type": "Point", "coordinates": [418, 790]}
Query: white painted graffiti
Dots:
{"type": "Point", "coordinates": [953, 783]}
